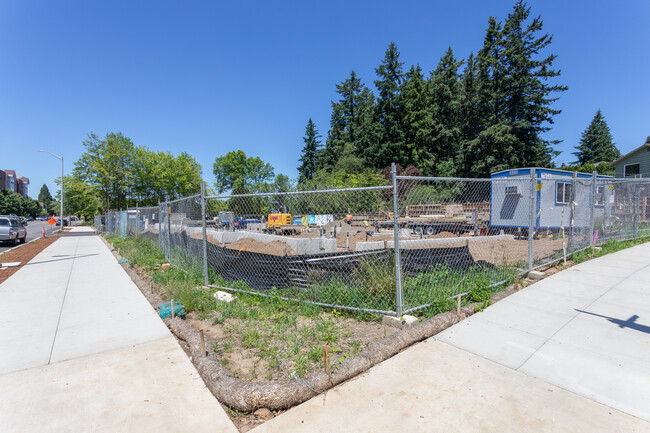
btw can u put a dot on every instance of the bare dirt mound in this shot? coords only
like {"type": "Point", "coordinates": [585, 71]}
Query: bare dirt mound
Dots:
{"type": "Point", "coordinates": [274, 248]}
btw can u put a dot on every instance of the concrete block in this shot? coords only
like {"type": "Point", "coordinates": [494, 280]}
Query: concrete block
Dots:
{"type": "Point", "coordinates": [399, 322]}
{"type": "Point", "coordinates": [536, 275]}
{"type": "Point", "coordinates": [9, 264]}
{"type": "Point", "coordinates": [224, 297]}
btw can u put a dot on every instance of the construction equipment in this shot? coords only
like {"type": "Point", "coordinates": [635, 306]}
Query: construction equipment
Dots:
{"type": "Point", "coordinates": [282, 224]}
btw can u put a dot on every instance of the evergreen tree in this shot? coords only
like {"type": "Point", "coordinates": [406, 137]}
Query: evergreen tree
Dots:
{"type": "Point", "coordinates": [514, 100]}
{"type": "Point", "coordinates": [349, 129]}
{"type": "Point", "coordinates": [417, 122]}
{"type": "Point", "coordinates": [389, 111]}
{"type": "Point", "coordinates": [470, 114]}
{"type": "Point", "coordinates": [596, 144]}
{"type": "Point", "coordinates": [444, 92]}
{"type": "Point", "coordinates": [45, 197]}
{"type": "Point", "coordinates": [310, 153]}
{"type": "Point", "coordinates": [527, 106]}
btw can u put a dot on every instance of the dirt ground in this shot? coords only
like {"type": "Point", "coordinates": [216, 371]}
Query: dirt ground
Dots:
{"type": "Point", "coordinates": [23, 254]}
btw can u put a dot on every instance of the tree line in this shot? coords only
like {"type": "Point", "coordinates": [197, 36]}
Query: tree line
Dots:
{"type": "Point", "coordinates": [467, 117]}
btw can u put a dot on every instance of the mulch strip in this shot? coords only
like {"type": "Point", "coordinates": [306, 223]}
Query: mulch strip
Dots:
{"type": "Point", "coordinates": [23, 254]}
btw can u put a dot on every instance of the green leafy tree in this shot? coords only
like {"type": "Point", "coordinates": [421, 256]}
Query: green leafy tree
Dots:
{"type": "Point", "coordinates": [14, 203]}
{"type": "Point", "coordinates": [108, 165]}
{"type": "Point", "coordinates": [596, 144]}
{"type": "Point", "coordinates": [240, 174]}
{"type": "Point", "coordinates": [310, 153]}
{"type": "Point", "coordinates": [79, 198]}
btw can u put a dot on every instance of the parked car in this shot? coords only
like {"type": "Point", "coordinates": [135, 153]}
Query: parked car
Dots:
{"type": "Point", "coordinates": [65, 221]}
{"type": "Point", "coordinates": [12, 230]}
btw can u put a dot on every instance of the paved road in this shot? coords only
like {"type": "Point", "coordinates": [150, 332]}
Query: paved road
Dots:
{"type": "Point", "coordinates": [34, 230]}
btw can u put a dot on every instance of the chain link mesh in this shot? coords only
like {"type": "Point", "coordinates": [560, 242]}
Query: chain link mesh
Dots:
{"type": "Point", "coordinates": [338, 247]}
{"type": "Point", "coordinates": [312, 246]}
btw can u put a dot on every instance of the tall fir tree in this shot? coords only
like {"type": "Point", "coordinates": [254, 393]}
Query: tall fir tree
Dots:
{"type": "Point", "coordinates": [417, 122]}
{"type": "Point", "coordinates": [389, 112]}
{"type": "Point", "coordinates": [349, 131]}
{"type": "Point", "coordinates": [445, 112]}
{"type": "Point", "coordinates": [470, 114]}
{"type": "Point", "coordinates": [514, 97]}
{"type": "Point", "coordinates": [596, 144]}
{"type": "Point", "coordinates": [310, 153]}
{"type": "Point", "coordinates": [527, 107]}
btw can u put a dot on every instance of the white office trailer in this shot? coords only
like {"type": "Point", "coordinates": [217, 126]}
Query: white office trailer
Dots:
{"type": "Point", "coordinates": [558, 196]}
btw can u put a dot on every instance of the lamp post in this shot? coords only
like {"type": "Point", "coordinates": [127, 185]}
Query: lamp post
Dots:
{"type": "Point", "coordinates": [61, 158]}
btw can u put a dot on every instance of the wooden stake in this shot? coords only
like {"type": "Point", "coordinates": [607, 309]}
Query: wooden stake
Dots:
{"type": "Point", "coordinates": [517, 282]}
{"type": "Point", "coordinates": [458, 305]}
{"type": "Point", "coordinates": [172, 308]}
{"type": "Point", "coordinates": [150, 286]}
{"type": "Point", "coordinates": [326, 359]}
{"type": "Point", "coordinates": [202, 343]}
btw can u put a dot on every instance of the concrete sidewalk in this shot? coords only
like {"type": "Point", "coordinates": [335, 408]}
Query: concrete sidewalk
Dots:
{"type": "Point", "coordinates": [569, 353]}
{"type": "Point", "coordinates": [82, 350]}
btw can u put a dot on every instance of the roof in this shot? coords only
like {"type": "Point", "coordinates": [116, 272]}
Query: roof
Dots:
{"type": "Point", "coordinates": [646, 144]}
{"type": "Point", "coordinates": [10, 172]}
{"type": "Point", "coordinates": [526, 170]}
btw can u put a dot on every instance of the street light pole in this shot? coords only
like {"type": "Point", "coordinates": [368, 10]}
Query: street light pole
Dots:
{"type": "Point", "coordinates": [61, 158]}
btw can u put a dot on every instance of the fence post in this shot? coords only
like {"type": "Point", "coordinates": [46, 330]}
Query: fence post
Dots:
{"type": "Point", "coordinates": [205, 236]}
{"type": "Point", "coordinates": [637, 199]}
{"type": "Point", "coordinates": [168, 253]}
{"type": "Point", "coordinates": [572, 208]}
{"type": "Point", "coordinates": [531, 217]}
{"type": "Point", "coordinates": [137, 220]}
{"type": "Point", "coordinates": [398, 261]}
{"type": "Point", "coordinates": [594, 191]}
{"type": "Point", "coordinates": [160, 214]}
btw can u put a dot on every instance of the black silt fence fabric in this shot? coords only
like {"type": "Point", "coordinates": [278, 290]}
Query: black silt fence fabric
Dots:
{"type": "Point", "coordinates": [265, 271]}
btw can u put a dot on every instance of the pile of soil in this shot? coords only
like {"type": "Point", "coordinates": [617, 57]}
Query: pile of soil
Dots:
{"type": "Point", "coordinates": [23, 254]}
{"type": "Point", "coordinates": [361, 236]}
{"type": "Point", "coordinates": [274, 248]}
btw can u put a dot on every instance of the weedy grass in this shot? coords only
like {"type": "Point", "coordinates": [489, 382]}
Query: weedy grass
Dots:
{"type": "Point", "coordinates": [611, 246]}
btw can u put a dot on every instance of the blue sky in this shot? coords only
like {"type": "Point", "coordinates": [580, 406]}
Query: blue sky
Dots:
{"type": "Point", "coordinates": [209, 77]}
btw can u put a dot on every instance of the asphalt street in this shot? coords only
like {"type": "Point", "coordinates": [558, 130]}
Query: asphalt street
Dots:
{"type": "Point", "coordinates": [34, 230]}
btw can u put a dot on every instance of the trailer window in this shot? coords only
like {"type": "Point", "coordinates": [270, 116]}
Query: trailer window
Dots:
{"type": "Point", "coordinates": [562, 192]}
{"type": "Point", "coordinates": [511, 190]}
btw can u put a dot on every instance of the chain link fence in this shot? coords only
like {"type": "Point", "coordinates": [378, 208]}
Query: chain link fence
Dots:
{"type": "Point", "coordinates": [390, 249]}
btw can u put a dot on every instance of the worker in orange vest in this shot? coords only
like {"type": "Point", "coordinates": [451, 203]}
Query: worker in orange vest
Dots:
{"type": "Point", "coordinates": [349, 217]}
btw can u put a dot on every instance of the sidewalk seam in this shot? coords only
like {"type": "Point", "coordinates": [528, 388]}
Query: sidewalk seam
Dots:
{"type": "Point", "coordinates": [577, 314]}
{"type": "Point", "coordinates": [65, 293]}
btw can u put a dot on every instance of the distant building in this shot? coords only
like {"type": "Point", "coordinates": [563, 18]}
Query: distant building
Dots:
{"type": "Point", "coordinates": [11, 181]}
{"type": "Point", "coordinates": [635, 163]}
{"type": "Point", "coordinates": [22, 185]}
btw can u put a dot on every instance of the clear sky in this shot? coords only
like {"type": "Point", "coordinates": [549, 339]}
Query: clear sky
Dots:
{"type": "Point", "coordinates": [208, 77]}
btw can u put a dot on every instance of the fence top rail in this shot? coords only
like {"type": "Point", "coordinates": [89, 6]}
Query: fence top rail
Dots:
{"type": "Point", "coordinates": [181, 199]}
{"type": "Point", "coordinates": [463, 179]}
{"type": "Point", "coordinates": [315, 191]}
